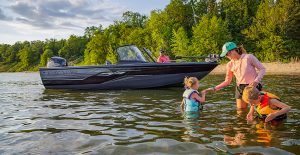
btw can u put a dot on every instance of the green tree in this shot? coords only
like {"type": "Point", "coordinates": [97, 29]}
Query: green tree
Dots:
{"type": "Point", "coordinates": [269, 31]}
{"type": "Point", "coordinates": [239, 15]}
{"type": "Point", "coordinates": [10, 56]}
{"type": "Point", "coordinates": [200, 7]}
{"type": "Point", "coordinates": [269, 28]}
{"type": "Point", "coordinates": [134, 19]}
{"type": "Point", "coordinates": [91, 31]}
{"type": "Point", "coordinates": [25, 58]}
{"type": "Point", "coordinates": [205, 7]}
{"type": "Point", "coordinates": [181, 43]}
{"type": "Point", "coordinates": [159, 30]}
{"type": "Point", "coordinates": [73, 49]}
{"type": "Point", "coordinates": [161, 23]}
{"type": "Point", "coordinates": [3, 52]}
{"type": "Point", "coordinates": [36, 48]}
{"type": "Point", "coordinates": [96, 50]}
{"type": "Point", "coordinates": [54, 45]}
{"type": "Point", "coordinates": [209, 35]}
{"type": "Point", "coordinates": [111, 55]}
{"type": "Point", "coordinates": [139, 37]}
{"type": "Point", "coordinates": [45, 56]}
{"type": "Point", "coordinates": [212, 8]}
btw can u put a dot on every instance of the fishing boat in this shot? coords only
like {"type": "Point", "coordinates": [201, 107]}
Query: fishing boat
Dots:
{"type": "Point", "coordinates": [135, 69]}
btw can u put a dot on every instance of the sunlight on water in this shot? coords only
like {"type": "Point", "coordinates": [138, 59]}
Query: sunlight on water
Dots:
{"type": "Point", "coordinates": [38, 121]}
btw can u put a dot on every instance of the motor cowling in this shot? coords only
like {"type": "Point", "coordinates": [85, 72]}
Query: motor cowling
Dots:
{"type": "Point", "coordinates": [57, 62]}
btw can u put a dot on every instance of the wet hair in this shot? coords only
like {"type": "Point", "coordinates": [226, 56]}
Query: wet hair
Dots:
{"type": "Point", "coordinates": [241, 50]}
{"type": "Point", "coordinates": [189, 82]}
{"type": "Point", "coordinates": [250, 93]}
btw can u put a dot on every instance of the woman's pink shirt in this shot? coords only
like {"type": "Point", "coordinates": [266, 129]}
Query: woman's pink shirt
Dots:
{"type": "Point", "coordinates": [244, 70]}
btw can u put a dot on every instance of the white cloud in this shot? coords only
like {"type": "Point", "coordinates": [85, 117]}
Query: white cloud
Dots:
{"type": "Point", "coordinates": [51, 14]}
{"type": "Point", "coordinates": [42, 17]}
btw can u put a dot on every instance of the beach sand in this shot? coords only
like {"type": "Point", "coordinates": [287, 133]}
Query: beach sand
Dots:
{"type": "Point", "coordinates": [274, 68]}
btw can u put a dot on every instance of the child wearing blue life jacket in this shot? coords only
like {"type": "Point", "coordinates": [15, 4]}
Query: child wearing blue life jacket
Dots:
{"type": "Point", "coordinates": [191, 98]}
{"type": "Point", "coordinates": [267, 105]}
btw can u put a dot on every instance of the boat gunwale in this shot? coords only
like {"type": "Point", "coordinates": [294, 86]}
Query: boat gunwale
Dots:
{"type": "Point", "coordinates": [148, 64]}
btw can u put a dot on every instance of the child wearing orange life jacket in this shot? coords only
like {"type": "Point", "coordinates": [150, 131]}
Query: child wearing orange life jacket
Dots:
{"type": "Point", "coordinates": [267, 105]}
{"type": "Point", "coordinates": [191, 100]}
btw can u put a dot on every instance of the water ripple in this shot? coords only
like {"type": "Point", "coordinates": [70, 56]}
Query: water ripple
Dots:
{"type": "Point", "coordinates": [38, 121]}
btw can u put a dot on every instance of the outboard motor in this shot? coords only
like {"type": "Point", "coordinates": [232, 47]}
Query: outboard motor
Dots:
{"type": "Point", "coordinates": [57, 62]}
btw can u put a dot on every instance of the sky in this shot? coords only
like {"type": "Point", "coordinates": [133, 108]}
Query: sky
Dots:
{"type": "Point", "coordinates": [29, 20]}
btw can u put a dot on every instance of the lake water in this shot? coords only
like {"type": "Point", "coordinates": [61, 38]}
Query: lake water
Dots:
{"type": "Point", "coordinates": [38, 121]}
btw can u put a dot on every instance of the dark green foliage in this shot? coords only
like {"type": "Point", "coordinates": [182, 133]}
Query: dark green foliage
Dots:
{"type": "Point", "coordinates": [273, 28]}
{"type": "Point", "coordinates": [45, 56]}
{"type": "Point", "coordinates": [91, 31]}
{"type": "Point", "coordinates": [209, 35]}
{"type": "Point", "coordinates": [54, 45]}
{"type": "Point", "coordinates": [134, 19]}
{"type": "Point", "coordinates": [74, 48]}
{"type": "Point", "coordinates": [181, 43]}
{"type": "Point", "coordinates": [238, 14]}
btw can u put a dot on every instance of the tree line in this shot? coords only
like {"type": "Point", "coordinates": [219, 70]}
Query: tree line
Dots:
{"type": "Point", "coordinates": [270, 29]}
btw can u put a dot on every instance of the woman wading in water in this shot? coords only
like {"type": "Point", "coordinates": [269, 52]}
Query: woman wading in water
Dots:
{"type": "Point", "coordinates": [243, 66]}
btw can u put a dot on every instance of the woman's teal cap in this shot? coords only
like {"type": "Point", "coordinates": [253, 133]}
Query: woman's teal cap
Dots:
{"type": "Point", "coordinates": [227, 47]}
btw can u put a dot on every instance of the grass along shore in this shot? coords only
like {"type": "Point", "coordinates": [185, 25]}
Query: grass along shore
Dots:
{"type": "Point", "coordinates": [273, 68]}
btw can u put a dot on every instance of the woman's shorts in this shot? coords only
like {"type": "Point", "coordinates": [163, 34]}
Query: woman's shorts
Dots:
{"type": "Point", "coordinates": [240, 88]}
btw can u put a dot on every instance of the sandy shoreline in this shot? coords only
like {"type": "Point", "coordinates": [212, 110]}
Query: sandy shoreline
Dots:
{"type": "Point", "coordinates": [274, 68]}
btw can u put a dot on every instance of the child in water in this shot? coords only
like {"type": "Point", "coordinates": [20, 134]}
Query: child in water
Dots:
{"type": "Point", "coordinates": [268, 106]}
{"type": "Point", "coordinates": [191, 100]}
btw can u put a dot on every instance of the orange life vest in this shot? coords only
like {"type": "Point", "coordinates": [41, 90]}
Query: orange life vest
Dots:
{"type": "Point", "coordinates": [263, 109]}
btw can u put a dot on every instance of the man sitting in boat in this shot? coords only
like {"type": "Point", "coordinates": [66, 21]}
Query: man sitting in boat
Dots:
{"type": "Point", "coordinates": [163, 58]}
{"type": "Point", "coordinates": [268, 106]}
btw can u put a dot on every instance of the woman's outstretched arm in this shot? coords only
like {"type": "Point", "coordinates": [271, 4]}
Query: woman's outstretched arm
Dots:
{"type": "Point", "coordinates": [228, 78]}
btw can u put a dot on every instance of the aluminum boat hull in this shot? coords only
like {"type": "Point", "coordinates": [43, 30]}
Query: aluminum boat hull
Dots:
{"type": "Point", "coordinates": [123, 76]}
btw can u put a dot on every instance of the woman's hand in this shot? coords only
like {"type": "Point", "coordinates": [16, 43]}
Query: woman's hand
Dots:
{"type": "Point", "coordinates": [254, 84]}
{"type": "Point", "coordinates": [270, 117]}
{"type": "Point", "coordinates": [210, 90]}
{"type": "Point", "coordinates": [249, 116]}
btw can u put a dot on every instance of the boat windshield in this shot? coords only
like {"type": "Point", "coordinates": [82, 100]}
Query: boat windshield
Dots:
{"type": "Point", "coordinates": [130, 53]}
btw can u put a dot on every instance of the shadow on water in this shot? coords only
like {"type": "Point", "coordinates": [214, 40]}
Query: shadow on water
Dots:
{"type": "Point", "coordinates": [39, 121]}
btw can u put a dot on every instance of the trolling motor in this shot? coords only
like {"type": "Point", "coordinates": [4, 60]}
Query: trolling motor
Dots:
{"type": "Point", "coordinates": [209, 58]}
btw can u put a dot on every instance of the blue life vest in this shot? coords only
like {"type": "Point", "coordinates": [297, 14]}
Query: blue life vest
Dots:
{"type": "Point", "coordinates": [189, 103]}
